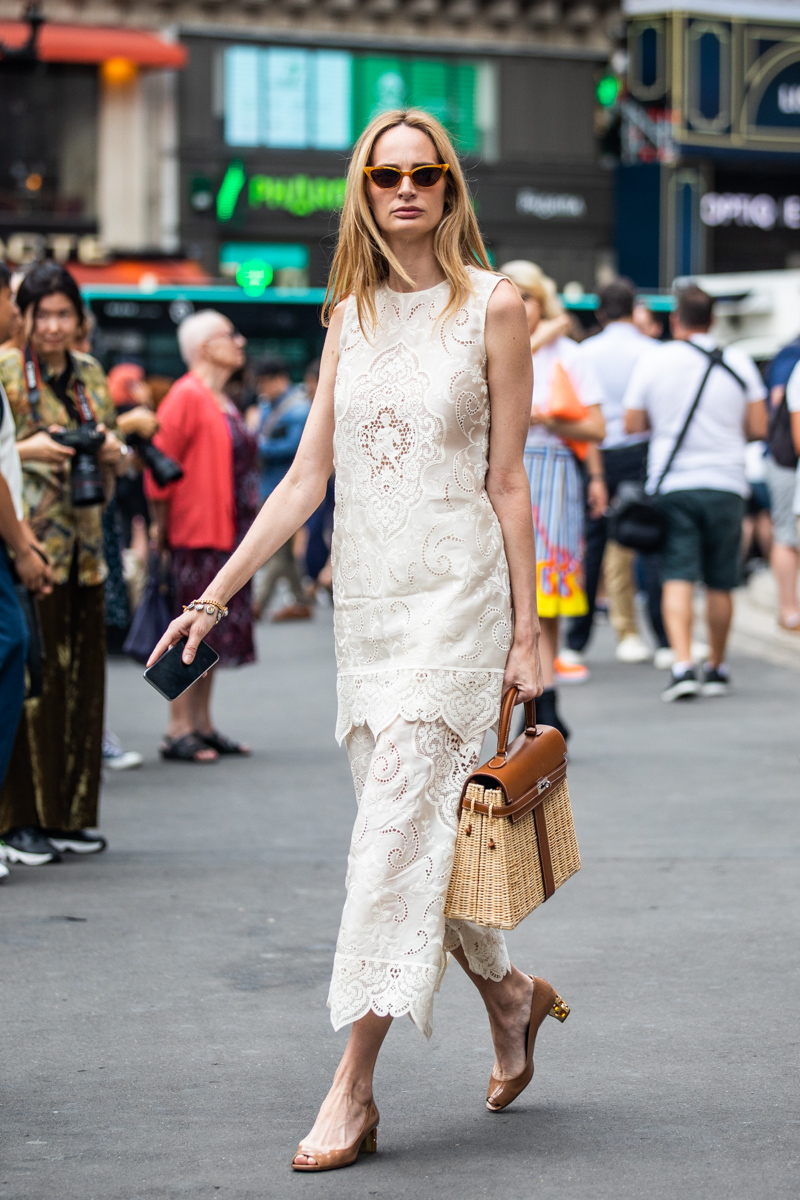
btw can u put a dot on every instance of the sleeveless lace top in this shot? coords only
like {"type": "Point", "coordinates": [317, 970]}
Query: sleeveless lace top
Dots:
{"type": "Point", "coordinates": [422, 604]}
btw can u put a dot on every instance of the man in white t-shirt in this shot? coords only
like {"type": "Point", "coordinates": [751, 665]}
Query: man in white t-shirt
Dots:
{"type": "Point", "coordinates": [793, 404]}
{"type": "Point", "coordinates": [29, 564]}
{"type": "Point", "coordinates": [703, 492]}
{"type": "Point", "coordinates": [612, 355]}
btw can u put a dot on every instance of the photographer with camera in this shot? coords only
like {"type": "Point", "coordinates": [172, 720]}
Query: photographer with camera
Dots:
{"type": "Point", "coordinates": [64, 426]}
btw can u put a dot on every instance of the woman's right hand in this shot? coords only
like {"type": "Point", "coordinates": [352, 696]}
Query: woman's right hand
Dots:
{"type": "Point", "coordinates": [194, 625]}
{"type": "Point", "coordinates": [40, 447]}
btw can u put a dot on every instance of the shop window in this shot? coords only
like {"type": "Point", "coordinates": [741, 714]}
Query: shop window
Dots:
{"type": "Point", "coordinates": [48, 142]}
{"type": "Point", "coordinates": [288, 98]}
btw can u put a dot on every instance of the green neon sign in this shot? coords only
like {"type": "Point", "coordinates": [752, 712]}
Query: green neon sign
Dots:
{"type": "Point", "coordinates": [254, 276]}
{"type": "Point", "coordinates": [299, 195]}
{"type": "Point", "coordinates": [229, 190]}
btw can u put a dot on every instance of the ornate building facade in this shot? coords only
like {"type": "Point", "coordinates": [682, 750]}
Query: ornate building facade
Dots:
{"type": "Point", "coordinates": [221, 130]}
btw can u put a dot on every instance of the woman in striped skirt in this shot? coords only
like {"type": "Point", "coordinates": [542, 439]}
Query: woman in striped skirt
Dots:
{"type": "Point", "coordinates": [556, 479]}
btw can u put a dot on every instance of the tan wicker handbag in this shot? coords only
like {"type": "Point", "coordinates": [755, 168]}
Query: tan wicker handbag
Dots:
{"type": "Point", "coordinates": [516, 839]}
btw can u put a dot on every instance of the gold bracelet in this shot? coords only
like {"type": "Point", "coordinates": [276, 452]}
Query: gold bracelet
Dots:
{"type": "Point", "coordinates": [210, 607]}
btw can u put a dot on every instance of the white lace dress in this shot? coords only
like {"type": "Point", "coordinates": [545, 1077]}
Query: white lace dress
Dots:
{"type": "Point", "coordinates": [423, 627]}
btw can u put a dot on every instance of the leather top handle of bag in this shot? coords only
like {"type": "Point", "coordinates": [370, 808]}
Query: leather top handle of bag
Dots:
{"type": "Point", "coordinates": [506, 713]}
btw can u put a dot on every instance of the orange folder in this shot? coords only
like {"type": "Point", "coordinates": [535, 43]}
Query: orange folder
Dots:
{"type": "Point", "coordinates": [564, 404]}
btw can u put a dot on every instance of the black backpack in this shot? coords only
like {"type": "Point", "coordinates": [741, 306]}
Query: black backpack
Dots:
{"type": "Point", "coordinates": [779, 436]}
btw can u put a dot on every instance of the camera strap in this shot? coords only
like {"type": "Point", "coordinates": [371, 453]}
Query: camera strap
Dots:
{"type": "Point", "coordinates": [33, 383]}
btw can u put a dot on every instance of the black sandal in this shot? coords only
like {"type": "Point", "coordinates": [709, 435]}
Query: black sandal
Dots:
{"type": "Point", "coordinates": [185, 749]}
{"type": "Point", "coordinates": [222, 744]}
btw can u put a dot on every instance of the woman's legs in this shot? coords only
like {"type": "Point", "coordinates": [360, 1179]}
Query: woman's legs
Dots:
{"type": "Point", "coordinates": [343, 1109]}
{"type": "Point", "coordinates": [508, 1006]}
{"type": "Point", "coordinates": [191, 713]}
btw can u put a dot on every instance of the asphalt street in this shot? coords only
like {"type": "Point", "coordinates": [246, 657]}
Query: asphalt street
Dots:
{"type": "Point", "coordinates": [164, 1019]}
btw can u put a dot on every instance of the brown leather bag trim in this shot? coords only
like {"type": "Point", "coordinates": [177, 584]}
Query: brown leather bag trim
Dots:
{"type": "Point", "coordinates": [545, 857]}
{"type": "Point", "coordinates": [532, 798]}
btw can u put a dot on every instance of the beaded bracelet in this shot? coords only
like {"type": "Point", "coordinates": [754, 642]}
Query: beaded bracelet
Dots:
{"type": "Point", "coordinates": [210, 606]}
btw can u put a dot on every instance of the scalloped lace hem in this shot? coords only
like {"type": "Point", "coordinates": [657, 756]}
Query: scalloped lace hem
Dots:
{"type": "Point", "coordinates": [468, 701]}
{"type": "Point", "coordinates": [485, 948]}
{"type": "Point", "coordinates": [400, 989]}
{"type": "Point", "coordinates": [389, 989]}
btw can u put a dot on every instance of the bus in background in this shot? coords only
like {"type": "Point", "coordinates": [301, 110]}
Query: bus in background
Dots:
{"type": "Point", "coordinates": [134, 325]}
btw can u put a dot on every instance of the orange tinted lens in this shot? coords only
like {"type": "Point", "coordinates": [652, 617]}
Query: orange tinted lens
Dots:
{"type": "Point", "coordinates": [426, 176]}
{"type": "Point", "coordinates": [385, 177]}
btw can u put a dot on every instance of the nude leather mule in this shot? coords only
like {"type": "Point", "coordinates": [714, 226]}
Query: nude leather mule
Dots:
{"type": "Point", "coordinates": [331, 1160]}
{"type": "Point", "coordinates": [546, 1002]}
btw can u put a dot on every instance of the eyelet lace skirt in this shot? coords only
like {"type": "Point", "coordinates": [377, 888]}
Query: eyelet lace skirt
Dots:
{"type": "Point", "coordinates": [394, 942]}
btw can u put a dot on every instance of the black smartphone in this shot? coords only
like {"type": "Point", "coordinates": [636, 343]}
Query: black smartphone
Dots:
{"type": "Point", "coordinates": [171, 676]}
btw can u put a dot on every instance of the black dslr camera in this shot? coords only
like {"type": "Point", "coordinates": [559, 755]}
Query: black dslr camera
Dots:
{"type": "Point", "coordinates": [165, 470]}
{"type": "Point", "coordinates": [86, 479]}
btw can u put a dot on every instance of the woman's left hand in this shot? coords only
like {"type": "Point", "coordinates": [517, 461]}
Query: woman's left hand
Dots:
{"type": "Point", "coordinates": [524, 669]}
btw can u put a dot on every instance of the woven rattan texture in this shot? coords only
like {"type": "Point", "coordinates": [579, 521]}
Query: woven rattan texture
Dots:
{"type": "Point", "coordinates": [497, 872]}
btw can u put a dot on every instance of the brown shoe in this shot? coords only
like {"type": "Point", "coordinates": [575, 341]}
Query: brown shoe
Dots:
{"type": "Point", "coordinates": [546, 1002]}
{"type": "Point", "coordinates": [331, 1160]}
{"type": "Point", "coordinates": [293, 612]}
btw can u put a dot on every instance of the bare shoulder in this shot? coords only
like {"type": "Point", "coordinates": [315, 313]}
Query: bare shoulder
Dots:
{"type": "Point", "coordinates": [505, 301]}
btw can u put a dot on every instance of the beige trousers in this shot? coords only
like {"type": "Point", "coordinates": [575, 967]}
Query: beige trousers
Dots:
{"type": "Point", "coordinates": [620, 588]}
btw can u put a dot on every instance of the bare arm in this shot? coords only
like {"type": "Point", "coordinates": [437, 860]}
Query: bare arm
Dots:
{"type": "Point", "coordinates": [295, 498]}
{"type": "Point", "coordinates": [756, 420]}
{"type": "Point", "coordinates": [510, 387]}
{"type": "Point", "coordinates": [31, 566]}
{"type": "Point", "coordinates": [796, 431]}
{"type": "Point", "coordinates": [636, 420]}
{"type": "Point", "coordinates": [591, 429]}
{"type": "Point", "coordinates": [597, 489]}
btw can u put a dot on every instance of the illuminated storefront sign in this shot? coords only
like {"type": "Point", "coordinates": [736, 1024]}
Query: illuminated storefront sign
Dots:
{"type": "Point", "coordinates": [293, 98]}
{"type": "Point", "coordinates": [256, 265]}
{"type": "Point", "coordinates": [760, 211]}
{"type": "Point", "coordinates": [299, 194]}
{"type": "Point", "coordinates": [548, 206]}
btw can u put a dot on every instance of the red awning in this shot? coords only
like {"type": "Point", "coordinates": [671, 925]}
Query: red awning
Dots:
{"type": "Point", "coordinates": [95, 44]}
{"type": "Point", "coordinates": [132, 271]}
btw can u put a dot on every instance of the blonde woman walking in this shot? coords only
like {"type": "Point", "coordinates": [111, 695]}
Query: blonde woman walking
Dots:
{"type": "Point", "coordinates": [423, 407]}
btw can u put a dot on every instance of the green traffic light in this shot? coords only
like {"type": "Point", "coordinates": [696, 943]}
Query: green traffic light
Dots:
{"type": "Point", "coordinates": [607, 91]}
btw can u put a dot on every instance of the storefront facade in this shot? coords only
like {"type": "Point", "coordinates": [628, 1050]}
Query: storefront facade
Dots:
{"type": "Point", "coordinates": [266, 128]}
{"type": "Point", "coordinates": [711, 140]}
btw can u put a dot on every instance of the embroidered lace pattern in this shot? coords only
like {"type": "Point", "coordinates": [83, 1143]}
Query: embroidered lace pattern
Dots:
{"type": "Point", "coordinates": [394, 941]}
{"type": "Point", "coordinates": [422, 607]}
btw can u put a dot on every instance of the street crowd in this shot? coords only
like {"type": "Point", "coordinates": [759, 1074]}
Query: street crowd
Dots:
{"type": "Point", "coordinates": [101, 544]}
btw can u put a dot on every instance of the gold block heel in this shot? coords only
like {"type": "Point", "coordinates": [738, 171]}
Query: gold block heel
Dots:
{"type": "Point", "coordinates": [560, 1010]}
{"type": "Point", "coordinates": [370, 1143]}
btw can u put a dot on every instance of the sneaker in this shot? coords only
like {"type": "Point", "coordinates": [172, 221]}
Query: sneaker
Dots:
{"type": "Point", "coordinates": [126, 760]}
{"type": "Point", "coordinates": [632, 649]}
{"type": "Point", "coordinates": [117, 759]}
{"type": "Point", "coordinates": [716, 680]}
{"type": "Point", "coordinates": [4, 871]}
{"type": "Point", "coordinates": [29, 846]}
{"type": "Point", "coordinates": [77, 841]}
{"type": "Point", "coordinates": [573, 658]}
{"type": "Point", "coordinates": [682, 687]}
{"type": "Point", "coordinates": [570, 672]}
{"type": "Point", "coordinates": [663, 658]}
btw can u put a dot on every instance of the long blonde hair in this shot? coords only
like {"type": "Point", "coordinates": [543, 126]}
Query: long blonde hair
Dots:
{"type": "Point", "coordinates": [363, 258]}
